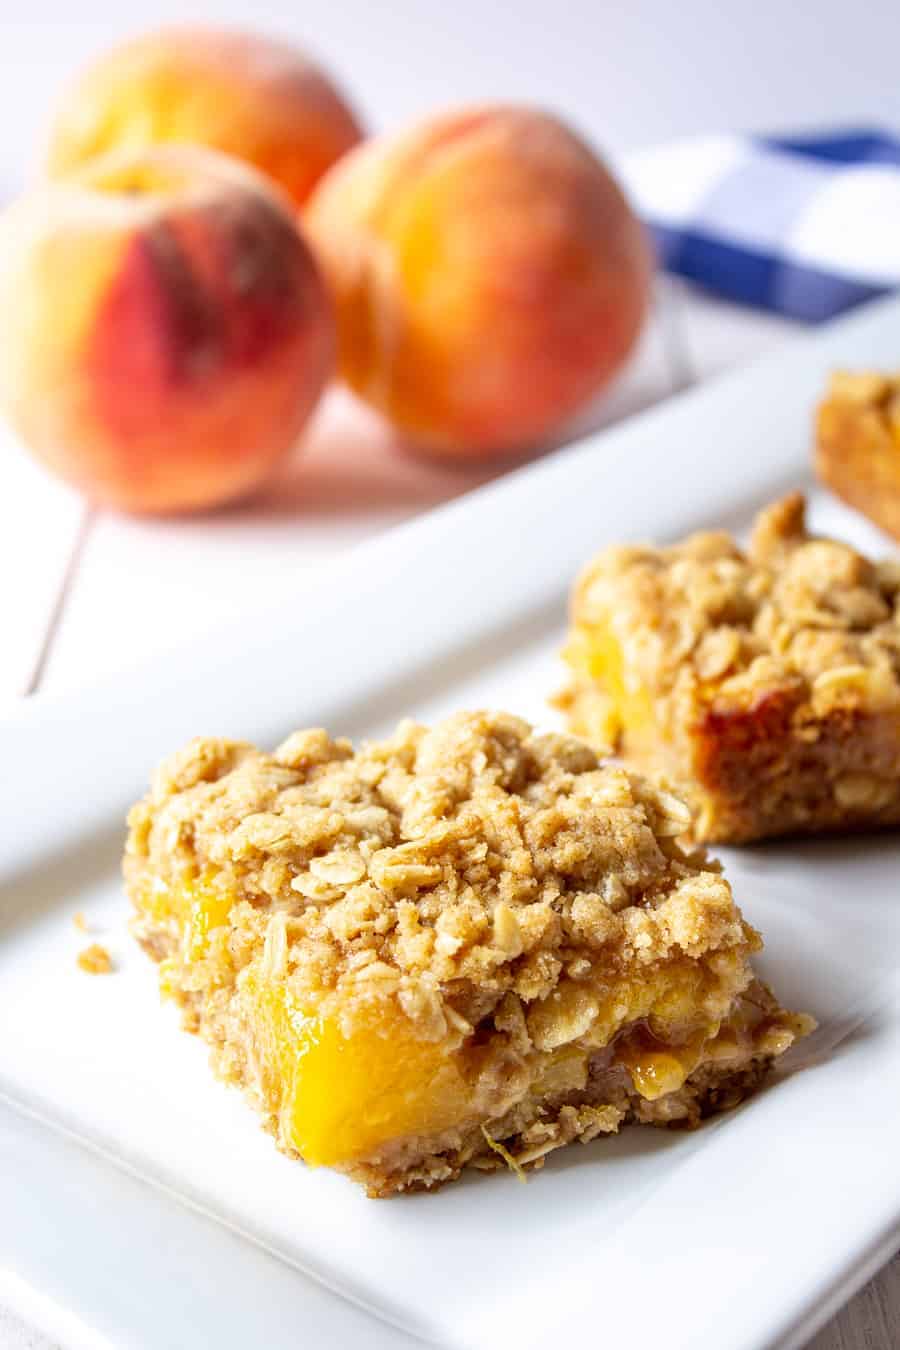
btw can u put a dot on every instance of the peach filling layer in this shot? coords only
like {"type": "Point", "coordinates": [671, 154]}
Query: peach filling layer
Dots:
{"type": "Point", "coordinates": [343, 1097]}
{"type": "Point", "coordinates": [596, 655]}
{"type": "Point", "coordinates": [340, 1098]}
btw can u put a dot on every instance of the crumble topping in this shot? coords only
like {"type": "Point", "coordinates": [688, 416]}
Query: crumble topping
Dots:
{"type": "Point", "coordinates": [705, 618]}
{"type": "Point", "coordinates": [446, 869]}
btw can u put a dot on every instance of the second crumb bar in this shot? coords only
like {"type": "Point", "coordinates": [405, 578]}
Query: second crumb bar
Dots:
{"type": "Point", "coordinates": [765, 684]}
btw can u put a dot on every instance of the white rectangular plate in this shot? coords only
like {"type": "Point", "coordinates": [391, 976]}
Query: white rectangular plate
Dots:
{"type": "Point", "coordinates": [140, 1196]}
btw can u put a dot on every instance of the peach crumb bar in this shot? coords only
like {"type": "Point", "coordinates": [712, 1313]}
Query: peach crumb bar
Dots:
{"type": "Point", "coordinates": [858, 444]}
{"type": "Point", "coordinates": [465, 945]}
{"type": "Point", "coordinates": [764, 684]}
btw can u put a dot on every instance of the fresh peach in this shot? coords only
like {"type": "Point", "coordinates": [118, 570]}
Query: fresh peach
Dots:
{"type": "Point", "coordinates": [259, 100]}
{"type": "Point", "coordinates": [164, 330]}
{"type": "Point", "coordinates": [488, 273]}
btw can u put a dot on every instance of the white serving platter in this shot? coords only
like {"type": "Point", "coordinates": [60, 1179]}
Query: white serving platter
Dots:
{"type": "Point", "coordinates": [141, 1205]}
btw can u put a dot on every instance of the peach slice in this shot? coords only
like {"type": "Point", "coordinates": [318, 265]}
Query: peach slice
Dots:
{"type": "Point", "coordinates": [342, 1098]}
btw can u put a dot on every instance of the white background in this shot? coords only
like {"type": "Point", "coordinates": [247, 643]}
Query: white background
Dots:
{"type": "Point", "coordinates": [630, 71]}
{"type": "Point", "coordinates": [629, 74]}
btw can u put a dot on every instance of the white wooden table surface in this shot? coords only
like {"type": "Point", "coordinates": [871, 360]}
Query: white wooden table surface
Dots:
{"type": "Point", "coordinates": [84, 593]}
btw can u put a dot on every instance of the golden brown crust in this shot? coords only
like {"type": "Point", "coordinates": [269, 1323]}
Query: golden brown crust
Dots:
{"type": "Point", "coordinates": [857, 447]}
{"type": "Point", "coordinates": [773, 675]}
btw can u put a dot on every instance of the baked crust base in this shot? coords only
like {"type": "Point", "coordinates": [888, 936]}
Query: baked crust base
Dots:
{"type": "Point", "coordinates": [536, 1126]}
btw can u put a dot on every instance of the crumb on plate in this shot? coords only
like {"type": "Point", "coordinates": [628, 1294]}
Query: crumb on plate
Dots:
{"type": "Point", "coordinates": [95, 960]}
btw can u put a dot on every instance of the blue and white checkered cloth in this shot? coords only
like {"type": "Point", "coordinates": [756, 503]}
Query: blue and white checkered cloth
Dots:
{"type": "Point", "coordinates": [805, 226]}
